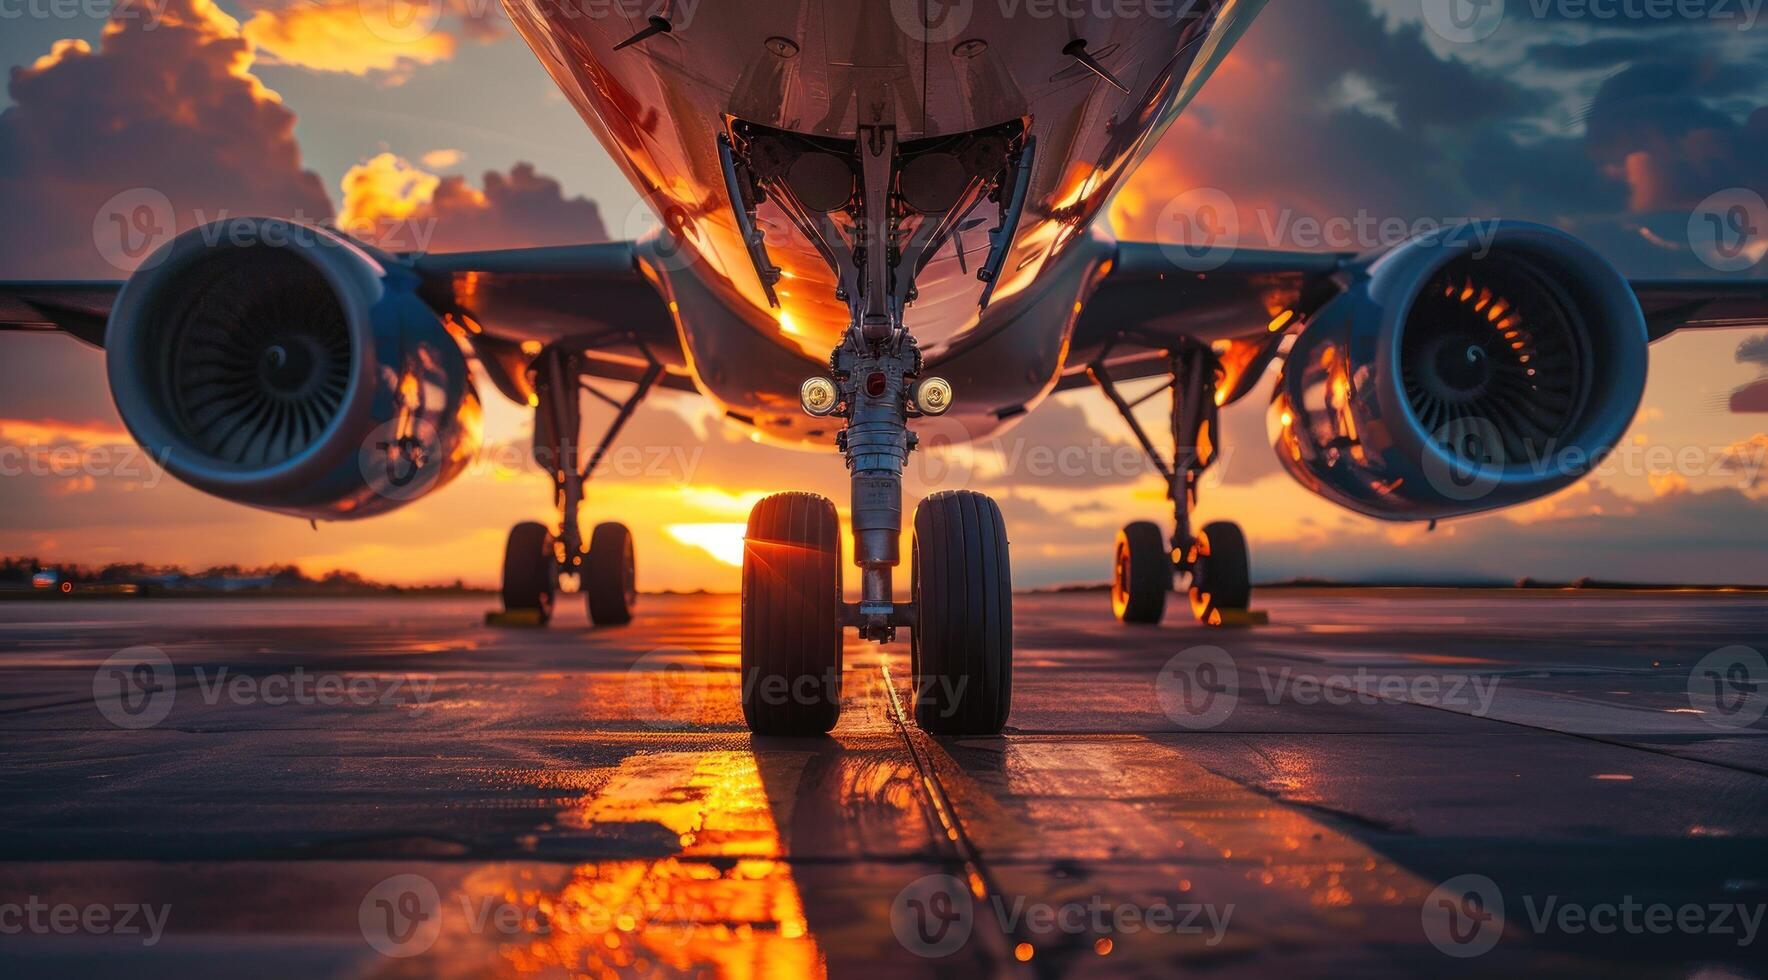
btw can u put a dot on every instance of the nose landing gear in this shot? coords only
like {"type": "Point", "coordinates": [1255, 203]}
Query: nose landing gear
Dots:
{"type": "Point", "coordinates": [960, 614]}
{"type": "Point", "coordinates": [1215, 559]}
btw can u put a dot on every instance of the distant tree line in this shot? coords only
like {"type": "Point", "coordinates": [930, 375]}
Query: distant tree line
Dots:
{"type": "Point", "coordinates": [18, 572]}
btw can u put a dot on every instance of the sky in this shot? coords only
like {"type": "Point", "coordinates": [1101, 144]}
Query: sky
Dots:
{"type": "Point", "coordinates": [1618, 130]}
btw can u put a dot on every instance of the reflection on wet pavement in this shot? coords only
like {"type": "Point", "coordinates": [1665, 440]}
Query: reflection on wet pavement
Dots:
{"type": "Point", "coordinates": [574, 802]}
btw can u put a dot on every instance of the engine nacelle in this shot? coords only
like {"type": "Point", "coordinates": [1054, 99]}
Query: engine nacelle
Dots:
{"type": "Point", "coordinates": [1462, 374]}
{"type": "Point", "coordinates": [287, 367]}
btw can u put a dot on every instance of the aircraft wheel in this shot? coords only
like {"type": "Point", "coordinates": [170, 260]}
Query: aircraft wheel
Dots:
{"type": "Point", "coordinates": [530, 570]}
{"type": "Point", "coordinates": [610, 576]}
{"type": "Point", "coordinates": [961, 648]}
{"type": "Point", "coordinates": [792, 636]}
{"type": "Point", "coordinates": [1220, 573]}
{"type": "Point", "coordinates": [1142, 574]}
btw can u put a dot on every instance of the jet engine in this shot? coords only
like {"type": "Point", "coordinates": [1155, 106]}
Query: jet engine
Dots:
{"type": "Point", "coordinates": [287, 367]}
{"type": "Point", "coordinates": [1462, 373]}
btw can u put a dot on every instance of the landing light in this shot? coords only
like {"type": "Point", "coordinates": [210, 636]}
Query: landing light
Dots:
{"type": "Point", "coordinates": [933, 396]}
{"type": "Point", "coordinates": [818, 397]}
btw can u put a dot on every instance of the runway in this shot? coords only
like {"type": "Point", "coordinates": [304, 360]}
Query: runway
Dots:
{"type": "Point", "coordinates": [1391, 782]}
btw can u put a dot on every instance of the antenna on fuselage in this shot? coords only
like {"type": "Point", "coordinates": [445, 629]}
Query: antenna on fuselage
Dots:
{"type": "Point", "coordinates": [660, 25]}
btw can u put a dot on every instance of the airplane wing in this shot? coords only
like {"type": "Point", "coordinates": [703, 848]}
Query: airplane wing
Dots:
{"type": "Point", "coordinates": [76, 308]}
{"type": "Point", "coordinates": [592, 295]}
{"type": "Point", "coordinates": [1149, 299]}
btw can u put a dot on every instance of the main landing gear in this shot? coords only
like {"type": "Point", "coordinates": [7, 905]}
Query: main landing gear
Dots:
{"type": "Point", "coordinates": [1215, 558]}
{"type": "Point", "coordinates": [536, 556]}
{"type": "Point", "coordinates": [903, 203]}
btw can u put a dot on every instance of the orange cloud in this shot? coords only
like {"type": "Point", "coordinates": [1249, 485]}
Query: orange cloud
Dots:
{"type": "Point", "coordinates": [442, 159]}
{"type": "Point", "coordinates": [111, 148]}
{"type": "Point", "coordinates": [356, 37]}
{"type": "Point", "coordinates": [395, 203]}
{"type": "Point", "coordinates": [54, 432]}
{"type": "Point", "coordinates": [384, 188]}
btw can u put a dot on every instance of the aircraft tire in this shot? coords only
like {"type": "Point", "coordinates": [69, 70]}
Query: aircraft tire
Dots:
{"type": "Point", "coordinates": [792, 628]}
{"type": "Point", "coordinates": [961, 648]}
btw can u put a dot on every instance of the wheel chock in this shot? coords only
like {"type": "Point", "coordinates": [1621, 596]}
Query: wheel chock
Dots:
{"type": "Point", "coordinates": [514, 619]}
{"type": "Point", "coordinates": [1242, 618]}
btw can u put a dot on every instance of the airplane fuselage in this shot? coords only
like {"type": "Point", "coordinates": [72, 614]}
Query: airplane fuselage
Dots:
{"type": "Point", "coordinates": [826, 68]}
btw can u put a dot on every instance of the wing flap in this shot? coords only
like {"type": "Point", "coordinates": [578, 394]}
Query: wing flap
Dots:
{"type": "Point", "coordinates": [1690, 304]}
{"type": "Point", "coordinates": [77, 308]}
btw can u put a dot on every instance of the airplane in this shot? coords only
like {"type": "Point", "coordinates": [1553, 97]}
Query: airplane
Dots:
{"type": "Point", "coordinates": [875, 213]}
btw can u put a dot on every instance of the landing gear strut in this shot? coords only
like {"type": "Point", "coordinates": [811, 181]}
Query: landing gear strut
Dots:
{"type": "Point", "coordinates": [535, 556]}
{"type": "Point", "coordinates": [960, 613]}
{"type": "Point", "coordinates": [1215, 558]}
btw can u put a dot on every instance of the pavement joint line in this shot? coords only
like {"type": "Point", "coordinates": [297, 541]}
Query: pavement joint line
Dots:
{"type": "Point", "coordinates": [1611, 741]}
{"type": "Point", "coordinates": [977, 877]}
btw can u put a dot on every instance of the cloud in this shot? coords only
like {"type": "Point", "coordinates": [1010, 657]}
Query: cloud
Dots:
{"type": "Point", "coordinates": [442, 159]}
{"type": "Point", "coordinates": [392, 200]}
{"type": "Point", "coordinates": [1716, 538]}
{"type": "Point", "coordinates": [357, 37]}
{"type": "Point", "coordinates": [104, 153]}
{"type": "Point", "coordinates": [1324, 111]}
{"type": "Point", "coordinates": [1749, 459]}
{"type": "Point", "coordinates": [1330, 111]}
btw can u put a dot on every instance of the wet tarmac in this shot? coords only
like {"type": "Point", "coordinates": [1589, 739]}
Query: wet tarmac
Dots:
{"type": "Point", "coordinates": [1398, 783]}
